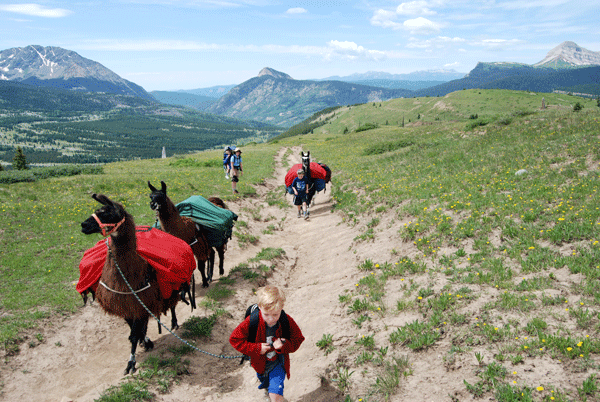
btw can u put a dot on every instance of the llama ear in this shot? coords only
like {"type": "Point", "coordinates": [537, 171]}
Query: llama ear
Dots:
{"type": "Point", "coordinates": [163, 187]}
{"type": "Point", "coordinates": [152, 188]}
{"type": "Point", "coordinates": [102, 199]}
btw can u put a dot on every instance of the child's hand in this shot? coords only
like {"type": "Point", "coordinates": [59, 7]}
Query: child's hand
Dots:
{"type": "Point", "coordinates": [264, 348]}
{"type": "Point", "coordinates": [278, 343]}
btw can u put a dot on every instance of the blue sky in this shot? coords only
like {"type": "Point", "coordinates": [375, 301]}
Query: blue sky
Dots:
{"type": "Point", "coordinates": [188, 44]}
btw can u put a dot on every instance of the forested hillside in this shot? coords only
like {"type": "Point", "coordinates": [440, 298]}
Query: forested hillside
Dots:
{"type": "Point", "coordinates": [59, 126]}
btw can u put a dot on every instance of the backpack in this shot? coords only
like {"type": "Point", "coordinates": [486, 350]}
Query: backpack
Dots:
{"type": "Point", "coordinates": [253, 311]}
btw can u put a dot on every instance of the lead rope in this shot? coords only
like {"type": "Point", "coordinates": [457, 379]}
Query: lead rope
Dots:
{"type": "Point", "coordinates": [158, 320]}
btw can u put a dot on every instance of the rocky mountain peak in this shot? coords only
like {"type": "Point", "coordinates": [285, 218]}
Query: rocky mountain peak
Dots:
{"type": "Point", "coordinates": [570, 53]}
{"type": "Point", "coordinates": [274, 74]}
{"type": "Point", "coordinates": [62, 68]}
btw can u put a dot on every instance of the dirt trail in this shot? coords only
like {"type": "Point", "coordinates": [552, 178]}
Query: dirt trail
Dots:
{"type": "Point", "coordinates": [85, 354]}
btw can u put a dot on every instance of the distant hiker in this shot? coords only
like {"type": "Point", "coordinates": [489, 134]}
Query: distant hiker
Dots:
{"type": "Point", "coordinates": [269, 350]}
{"type": "Point", "coordinates": [300, 188]}
{"type": "Point", "coordinates": [236, 168]}
{"type": "Point", "coordinates": [226, 161]}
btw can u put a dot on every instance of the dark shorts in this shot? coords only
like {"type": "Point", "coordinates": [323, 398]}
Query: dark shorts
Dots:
{"type": "Point", "coordinates": [300, 198]}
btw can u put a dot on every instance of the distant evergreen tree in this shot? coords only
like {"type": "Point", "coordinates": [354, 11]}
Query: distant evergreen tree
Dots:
{"type": "Point", "coordinates": [1, 167]}
{"type": "Point", "coordinates": [598, 101]}
{"type": "Point", "coordinates": [577, 107]}
{"type": "Point", "coordinates": [19, 161]}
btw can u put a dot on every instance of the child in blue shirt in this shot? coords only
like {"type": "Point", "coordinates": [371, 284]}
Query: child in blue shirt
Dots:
{"type": "Point", "coordinates": [226, 161]}
{"type": "Point", "coordinates": [300, 187]}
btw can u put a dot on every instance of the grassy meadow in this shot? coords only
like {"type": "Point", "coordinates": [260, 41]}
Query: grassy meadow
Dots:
{"type": "Point", "coordinates": [40, 233]}
{"type": "Point", "coordinates": [495, 200]}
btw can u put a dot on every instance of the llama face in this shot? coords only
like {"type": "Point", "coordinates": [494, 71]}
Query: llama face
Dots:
{"type": "Point", "coordinates": [111, 213]}
{"type": "Point", "coordinates": [158, 198]}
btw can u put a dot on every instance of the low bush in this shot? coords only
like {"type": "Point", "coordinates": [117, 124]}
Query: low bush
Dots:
{"type": "Point", "coordinates": [31, 175]}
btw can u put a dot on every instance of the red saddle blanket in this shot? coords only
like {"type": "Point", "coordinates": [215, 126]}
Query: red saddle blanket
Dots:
{"type": "Point", "coordinates": [316, 172]}
{"type": "Point", "coordinates": [172, 258]}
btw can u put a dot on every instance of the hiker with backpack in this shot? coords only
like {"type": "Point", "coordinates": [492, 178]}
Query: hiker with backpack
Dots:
{"type": "Point", "coordinates": [268, 335]}
{"type": "Point", "coordinates": [235, 168]}
{"type": "Point", "coordinates": [227, 161]}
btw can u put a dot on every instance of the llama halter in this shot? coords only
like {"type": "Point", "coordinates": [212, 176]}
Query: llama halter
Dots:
{"type": "Point", "coordinates": [112, 227]}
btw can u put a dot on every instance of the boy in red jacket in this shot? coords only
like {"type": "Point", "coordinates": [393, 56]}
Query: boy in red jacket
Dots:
{"type": "Point", "coordinates": [269, 353]}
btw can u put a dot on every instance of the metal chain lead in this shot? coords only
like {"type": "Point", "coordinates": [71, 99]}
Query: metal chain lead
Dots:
{"type": "Point", "coordinates": [158, 320]}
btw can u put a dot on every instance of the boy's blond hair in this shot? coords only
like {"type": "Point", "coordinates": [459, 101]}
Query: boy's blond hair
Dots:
{"type": "Point", "coordinates": [270, 298]}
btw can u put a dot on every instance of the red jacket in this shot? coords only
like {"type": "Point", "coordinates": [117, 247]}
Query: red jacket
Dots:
{"type": "Point", "coordinates": [239, 340]}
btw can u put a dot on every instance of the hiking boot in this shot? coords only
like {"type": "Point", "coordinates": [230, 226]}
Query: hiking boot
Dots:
{"type": "Point", "coordinates": [227, 176]}
{"type": "Point", "coordinates": [299, 214]}
{"type": "Point", "coordinates": [305, 214]}
{"type": "Point", "coordinates": [235, 191]}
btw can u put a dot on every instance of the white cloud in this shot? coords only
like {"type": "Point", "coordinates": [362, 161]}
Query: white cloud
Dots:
{"type": "Point", "coordinates": [495, 44]}
{"type": "Point", "coordinates": [414, 8]}
{"type": "Point", "coordinates": [352, 51]}
{"type": "Point", "coordinates": [385, 19]}
{"type": "Point", "coordinates": [421, 26]}
{"type": "Point", "coordinates": [334, 49]}
{"type": "Point", "coordinates": [416, 26]}
{"type": "Point", "coordinates": [296, 10]}
{"type": "Point", "coordinates": [455, 64]}
{"type": "Point", "coordinates": [519, 5]}
{"type": "Point", "coordinates": [438, 42]}
{"type": "Point", "coordinates": [35, 10]}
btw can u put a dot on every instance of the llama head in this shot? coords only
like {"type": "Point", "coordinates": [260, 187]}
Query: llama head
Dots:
{"type": "Point", "coordinates": [158, 198]}
{"type": "Point", "coordinates": [218, 202]}
{"type": "Point", "coordinates": [110, 215]}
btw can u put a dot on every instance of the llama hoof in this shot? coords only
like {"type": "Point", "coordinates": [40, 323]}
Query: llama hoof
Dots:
{"type": "Point", "coordinates": [148, 345]}
{"type": "Point", "coordinates": [130, 369]}
{"type": "Point", "coordinates": [205, 284]}
{"type": "Point", "coordinates": [221, 271]}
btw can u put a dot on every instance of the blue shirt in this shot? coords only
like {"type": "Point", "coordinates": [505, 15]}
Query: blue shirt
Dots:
{"type": "Point", "coordinates": [236, 160]}
{"type": "Point", "coordinates": [299, 184]}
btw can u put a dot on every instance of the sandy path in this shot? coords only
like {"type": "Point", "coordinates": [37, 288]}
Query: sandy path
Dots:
{"type": "Point", "coordinates": [84, 354]}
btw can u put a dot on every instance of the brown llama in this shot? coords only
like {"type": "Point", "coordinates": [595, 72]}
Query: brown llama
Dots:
{"type": "Point", "coordinates": [180, 226]}
{"type": "Point", "coordinates": [114, 296]}
{"type": "Point", "coordinates": [220, 249]}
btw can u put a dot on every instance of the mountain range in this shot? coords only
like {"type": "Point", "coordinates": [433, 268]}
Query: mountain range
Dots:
{"type": "Point", "coordinates": [60, 68]}
{"type": "Point", "coordinates": [275, 97]}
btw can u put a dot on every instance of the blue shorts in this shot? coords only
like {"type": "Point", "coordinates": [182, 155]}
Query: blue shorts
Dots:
{"type": "Point", "coordinates": [276, 378]}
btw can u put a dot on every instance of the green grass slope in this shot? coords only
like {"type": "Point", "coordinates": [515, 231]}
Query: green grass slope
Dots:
{"type": "Point", "coordinates": [495, 201]}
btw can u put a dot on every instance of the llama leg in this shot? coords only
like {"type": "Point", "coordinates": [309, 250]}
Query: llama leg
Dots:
{"type": "Point", "coordinates": [201, 268]}
{"type": "Point", "coordinates": [147, 343]}
{"type": "Point", "coordinates": [174, 324]}
{"type": "Point", "coordinates": [193, 294]}
{"type": "Point", "coordinates": [210, 269]}
{"type": "Point", "coordinates": [184, 289]}
{"type": "Point", "coordinates": [221, 251]}
{"type": "Point", "coordinates": [133, 338]}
